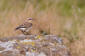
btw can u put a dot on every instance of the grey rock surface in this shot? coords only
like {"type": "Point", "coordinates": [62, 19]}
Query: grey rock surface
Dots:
{"type": "Point", "coordinates": [33, 45]}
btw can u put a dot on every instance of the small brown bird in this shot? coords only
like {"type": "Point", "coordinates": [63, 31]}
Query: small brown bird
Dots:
{"type": "Point", "coordinates": [25, 27]}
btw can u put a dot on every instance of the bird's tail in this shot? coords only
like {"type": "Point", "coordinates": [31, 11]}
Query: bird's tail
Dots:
{"type": "Point", "coordinates": [17, 28]}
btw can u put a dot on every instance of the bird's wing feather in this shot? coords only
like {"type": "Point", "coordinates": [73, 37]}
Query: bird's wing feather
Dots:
{"type": "Point", "coordinates": [25, 25]}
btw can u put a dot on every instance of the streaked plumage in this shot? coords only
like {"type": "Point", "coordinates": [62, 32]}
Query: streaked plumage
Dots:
{"type": "Point", "coordinates": [25, 27]}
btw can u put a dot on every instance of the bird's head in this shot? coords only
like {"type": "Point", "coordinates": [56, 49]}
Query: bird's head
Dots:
{"type": "Point", "coordinates": [29, 20]}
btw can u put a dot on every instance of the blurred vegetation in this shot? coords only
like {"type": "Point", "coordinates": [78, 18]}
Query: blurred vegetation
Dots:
{"type": "Point", "coordinates": [66, 6]}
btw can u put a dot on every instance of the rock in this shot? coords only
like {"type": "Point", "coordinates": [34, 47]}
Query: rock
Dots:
{"type": "Point", "coordinates": [34, 45]}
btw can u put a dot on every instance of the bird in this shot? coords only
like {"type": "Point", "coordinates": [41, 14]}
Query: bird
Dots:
{"type": "Point", "coordinates": [25, 27]}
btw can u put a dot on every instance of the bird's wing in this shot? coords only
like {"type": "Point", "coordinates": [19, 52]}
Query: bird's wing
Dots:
{"type": "Point", "coordinates": [24, 25]}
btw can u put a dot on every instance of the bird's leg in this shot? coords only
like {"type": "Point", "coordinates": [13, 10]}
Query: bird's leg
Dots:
{"type": "Point", "coordinates": [26, 33]}
{"type": "Point", "coordinates": [23, 32]}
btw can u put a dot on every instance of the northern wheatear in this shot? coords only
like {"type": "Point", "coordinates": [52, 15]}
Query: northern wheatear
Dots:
{"type": "Point", "coordinates": [25, 27]}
